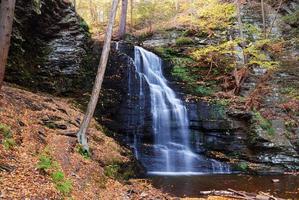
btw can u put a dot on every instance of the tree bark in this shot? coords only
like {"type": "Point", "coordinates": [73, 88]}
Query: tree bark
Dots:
{"type": "Point", "coordinates": [177, 5]}
{"type": "Point", "coordinates": [75, 5]}
{"type": "Point", "coordinates": [123, 19]}
{"type": "Point", "coordinates": [275, 17]}
{"type": "Point", "coordinates": [240, 24]}
{"type": "Point", "coordinates": [7, 8]}
{"type": "Point", "coordinates": [263, 17]}
{"type": "Point", "coordinates": [132, 8]}
{"type": "Point", "coordinates": [99, 79]}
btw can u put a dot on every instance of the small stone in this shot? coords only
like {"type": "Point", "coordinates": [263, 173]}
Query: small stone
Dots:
{"type": "Point", "coordinates": [275, 180]}
{"type": "Point", "coordinates": [21, 123]}
{"type": "Point", "coordinates": [143, 194]}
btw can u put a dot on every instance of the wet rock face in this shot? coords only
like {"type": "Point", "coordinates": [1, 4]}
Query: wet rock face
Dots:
{"type": "Point", "coordinates": [217, 130]}
{"type": "Point", "coordinates": [238, 138]}
{"type": "Point", "coordinates": [118, 108]}
{"type": "Point", "coordinates": [49, 44]}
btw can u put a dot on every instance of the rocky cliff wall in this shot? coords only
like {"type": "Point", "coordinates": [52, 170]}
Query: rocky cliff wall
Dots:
{"type": "Point", "coordinates": [49, 45]}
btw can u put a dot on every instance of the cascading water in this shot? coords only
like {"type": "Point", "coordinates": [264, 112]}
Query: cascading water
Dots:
{"type": "Point", "coordinates": [171, 152]}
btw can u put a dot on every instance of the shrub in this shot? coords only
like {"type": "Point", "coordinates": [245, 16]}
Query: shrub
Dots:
{"type": "Point", "coordinates": [49, 165]}
{"type": "Point", "coordinates": [46, 161]}
{"type": "Point", "coordinates": [242, 166]}
{"type": "Point", "coordinates": [83, 152]}
{"type": "Point", "coordinates": [62, 184]}
{"type": "Point", "coordinates": [112, 170]}
{"type": "Point", "coordinates": [257, 55]}
{"type": "Point", "coordinates": [292, 18]}
{"type": "Point", "coordinates": [5, 131]}
{"type": "Point", "coordinates": [8, 142]}
{"type": "Point", "coordinates": [203, 91]}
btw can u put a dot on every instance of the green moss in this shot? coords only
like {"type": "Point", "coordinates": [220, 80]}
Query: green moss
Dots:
{"type": "Point", "coordinates": [181, 41]}
{"type": "Point", "coordinates": [84, 25]}
{"type": "Point", "coordinates": [182, 73]}
{"type": "Point", "coordinates": [120, 171]}
{"type": "Point", "coordinates": [241, 166]}
{"type": "Point", "coordinates": [203, 91]}
{"type": "Point", "coordinates": [292, 18]}
{"type": "Point", "coordinates": [37, 6]}
{"type": "Point", "coordinates": [290, 91]}
{"type": "Point", "coordinates": [265, 124]}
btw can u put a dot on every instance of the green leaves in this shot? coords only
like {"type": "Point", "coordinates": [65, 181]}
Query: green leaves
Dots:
{"type": "Point", "coordinates": [62, 184]}
{"type": "Point", "coordinates": [47, 164]}
{"type": "Point", "coordinates": [8, 141]}
{"type": "Point", "coordinates": [208, 15]}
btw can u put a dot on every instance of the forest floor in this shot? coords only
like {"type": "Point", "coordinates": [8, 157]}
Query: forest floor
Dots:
{"type": "Point", "coordinates": [38, 140]}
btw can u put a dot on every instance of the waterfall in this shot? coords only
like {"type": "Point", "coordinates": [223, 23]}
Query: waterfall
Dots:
{"type": "Point", "coordinates": [171, 152]}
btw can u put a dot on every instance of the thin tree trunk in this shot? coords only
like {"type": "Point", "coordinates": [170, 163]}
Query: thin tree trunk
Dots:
{"type": "Point", "coordinates": [132, 7]}
{"type": "Point", "coordinates": [7, 9]}
{"type": "Point", "coordinates": [275, 17]}
{"type": "Point", "coordinates": [177, 5]}
{"type": "Point", "coordinates": [123, 19]}
{"type": "Point", "coordinates": [263, 17]}
{"type": "Point", "coordinates": [75, 5]}
{"type": "Point", "coordinates": [240, 24]}
{"type": "Point", "coordinates": [99, 79]}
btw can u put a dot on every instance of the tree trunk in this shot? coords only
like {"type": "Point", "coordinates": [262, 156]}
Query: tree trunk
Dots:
{"type": "Point", "coordinates": [240, 24]}
{"type": "Point", "coordinates": [132, 8]}
{"type": "Point", "coordinates": [123, 19]}
{"type": "Point", "coordinates": [275, 17]}
{"type": "Point", "coordinates": [7, 8]}
{"type": "Point", "coordinates": [99, 79]}
{"type": "Point", "coordinates": [177, 5]}
{"type": "Point", "coordinates": [263, 17]}
{"type": "Point", "coordinates": [75, 5]}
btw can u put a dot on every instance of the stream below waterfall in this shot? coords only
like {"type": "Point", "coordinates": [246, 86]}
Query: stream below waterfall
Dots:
{"type": "Point", "coordinates": [191, 186]}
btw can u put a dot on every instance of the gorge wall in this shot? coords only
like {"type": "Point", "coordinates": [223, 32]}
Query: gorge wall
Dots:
{"type": "Point", "coordinates": [49, 45]}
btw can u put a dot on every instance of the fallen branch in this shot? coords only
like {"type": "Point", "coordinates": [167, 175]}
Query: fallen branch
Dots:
{"type": "Point", "coordinates": [240, 195]}
{"type": "Point", "coordinates": [6, 168]}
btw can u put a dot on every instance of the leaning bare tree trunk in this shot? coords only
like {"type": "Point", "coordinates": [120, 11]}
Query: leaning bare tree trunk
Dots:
{"type": "Point", "coordinates": [123, 19]}
{"type": "Point", "coordinates": [99, 79]}
{"type": "Point", "coordinates": [7, 9]}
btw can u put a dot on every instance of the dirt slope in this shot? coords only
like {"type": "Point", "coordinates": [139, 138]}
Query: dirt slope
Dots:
{"type": "Point", "coordinates": [38, 123]}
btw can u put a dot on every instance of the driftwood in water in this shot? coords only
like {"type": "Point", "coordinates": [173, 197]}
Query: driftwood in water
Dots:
{"type": "Point", "coordinates": [240, 195]}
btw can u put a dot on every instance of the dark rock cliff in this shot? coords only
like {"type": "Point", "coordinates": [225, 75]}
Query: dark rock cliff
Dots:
{"type": "Point", "coordinates": [49, 45]}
